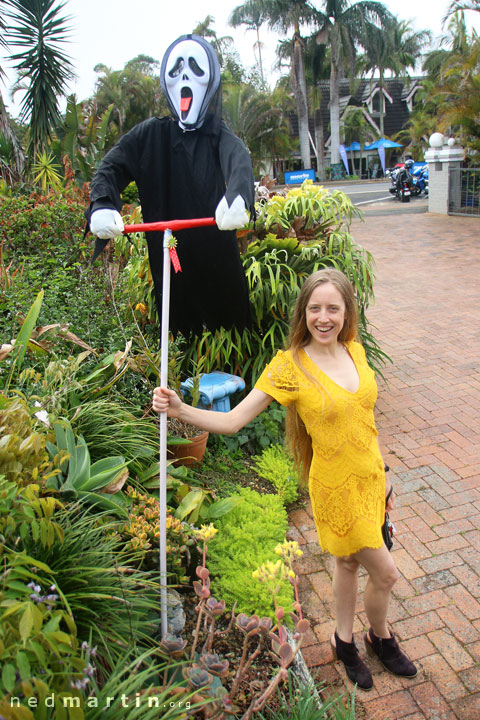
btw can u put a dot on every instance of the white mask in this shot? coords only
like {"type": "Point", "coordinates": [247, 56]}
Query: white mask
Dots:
{"type": "Point", "coordinates": [186, 79]}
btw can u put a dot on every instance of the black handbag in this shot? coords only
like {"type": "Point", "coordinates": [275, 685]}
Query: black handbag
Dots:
{"type": "Point", "coordinates": [387, 527]}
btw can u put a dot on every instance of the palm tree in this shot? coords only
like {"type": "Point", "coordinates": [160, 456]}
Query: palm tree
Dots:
{"type": "Point", "coordinates": [342, 25]}
{"type": "Point", "coordinates": [12, 157]}
{"type": "Point", "coordinates": [285, 16]}
{"type": "Point", "coordinates": [395, 47]}
{"type": "Point", "coordinates": [457, 5]}
{"type": "Point", "coordinates": [253, 21]}
{"type": "Point", "coordinates": [228, 57]}
{"type": "Point", "coordinates": [257, 118]}
{"type": "Point", "coordinates": [317, 69]}
{"type": "Point", "coordinates": [37, 28]}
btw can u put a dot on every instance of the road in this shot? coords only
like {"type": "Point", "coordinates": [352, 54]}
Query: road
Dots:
{"type": "Point", "coordinates": [364, 193]}
{"type": "Point", "coordinates": [374, 198]}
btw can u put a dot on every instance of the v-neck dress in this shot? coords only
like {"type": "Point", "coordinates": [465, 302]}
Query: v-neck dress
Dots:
{"type": "Point", "coordinates": [347, 475]}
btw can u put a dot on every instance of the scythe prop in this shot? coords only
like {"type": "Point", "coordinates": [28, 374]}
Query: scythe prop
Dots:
{"type": "Point", "coordinates": [169, 254]}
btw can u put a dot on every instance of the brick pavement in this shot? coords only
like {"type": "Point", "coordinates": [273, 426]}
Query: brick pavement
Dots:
{"type": "Point", "coordinates": [426, 315]}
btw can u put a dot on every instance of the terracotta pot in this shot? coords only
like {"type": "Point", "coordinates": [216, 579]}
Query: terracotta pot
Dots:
{"type": "Point", "coordinates": [191, 453]}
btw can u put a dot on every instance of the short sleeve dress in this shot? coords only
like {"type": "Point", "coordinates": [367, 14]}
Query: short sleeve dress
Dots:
{"type": "Point", "coordinates": [347, 475]}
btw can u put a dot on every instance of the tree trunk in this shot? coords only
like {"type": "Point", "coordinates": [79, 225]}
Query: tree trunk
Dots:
{"type": "Point", "coordinates": [334, 102]}
{"type": "Point", "coordinates": [300, 92]}
{"type": "Point", "coordinates": [382, 105]}
{"type": "Point", "coordinates": [320, 144]}
{"type": "Point", "coordinates": [260, 62]}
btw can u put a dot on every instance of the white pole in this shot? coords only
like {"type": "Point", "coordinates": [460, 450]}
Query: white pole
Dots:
{"type": "Point", "coordinates": [163, 430]}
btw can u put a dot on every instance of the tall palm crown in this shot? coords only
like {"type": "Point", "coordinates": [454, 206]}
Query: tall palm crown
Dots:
{"type": "Point", "coordinates": [37, 28]}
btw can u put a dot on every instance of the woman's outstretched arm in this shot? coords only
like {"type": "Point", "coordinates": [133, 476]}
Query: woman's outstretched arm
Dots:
{"type": "Point", "coordinates": [165, 400]}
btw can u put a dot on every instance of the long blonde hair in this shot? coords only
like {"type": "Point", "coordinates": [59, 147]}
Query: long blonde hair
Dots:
{"type": "Point", "coordinates": [298, 438]}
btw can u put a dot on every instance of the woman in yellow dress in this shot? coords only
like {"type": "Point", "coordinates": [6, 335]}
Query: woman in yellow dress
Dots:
{"type": "Point", "coordinates": [330, 391]}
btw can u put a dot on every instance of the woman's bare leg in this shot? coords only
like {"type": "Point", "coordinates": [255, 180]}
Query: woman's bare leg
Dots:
{"type": "Point", "coordinates": [345, 587]}
{"type": "Point", "coordinates": [382, 576]}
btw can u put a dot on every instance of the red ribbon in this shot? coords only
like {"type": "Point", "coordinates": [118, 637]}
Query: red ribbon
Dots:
{"type": "Point", "coordinates": [174, 259]}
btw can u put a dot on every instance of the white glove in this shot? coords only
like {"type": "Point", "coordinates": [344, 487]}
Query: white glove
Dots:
{"type": "Point", "coordinates": [106, 223]}
{"type": "Point", "coordinates": [233, 217]}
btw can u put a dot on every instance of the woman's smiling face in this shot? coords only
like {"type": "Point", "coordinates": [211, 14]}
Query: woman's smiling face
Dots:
{"type": "Point", "coordinates": [325, 314]}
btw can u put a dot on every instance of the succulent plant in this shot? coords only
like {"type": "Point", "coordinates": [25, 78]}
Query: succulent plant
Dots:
{"type": "Point", "coordinates": [214, 664]}
{"type": "Point", "coordinates": [197, 677]}
{"type": "Point", "coordinates": [246, 623]}
{"type": "Point", "coordinates": [215, 607]}
{"type": "Point", "coordinates": [173, 645]}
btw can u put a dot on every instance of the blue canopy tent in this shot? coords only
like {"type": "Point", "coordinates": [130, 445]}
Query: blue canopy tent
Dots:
{"type": "Point", "coordinates": [354, 146]}
{"type": "Point", "coordinates": [380, 146]}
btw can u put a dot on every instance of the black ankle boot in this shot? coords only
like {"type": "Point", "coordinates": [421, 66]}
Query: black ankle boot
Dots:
{"type": "Point", "coordinates": [356, 669]}
{"type": "Point", "coordinates": [389, 654]}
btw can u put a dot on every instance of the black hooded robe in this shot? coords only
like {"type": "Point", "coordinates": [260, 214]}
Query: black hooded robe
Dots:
{"type": "Point", "coordinates": [184, 174]}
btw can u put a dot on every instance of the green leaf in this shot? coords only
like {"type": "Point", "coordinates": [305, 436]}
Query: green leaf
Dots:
{"type": "Point", "coordinates": [26, 623]}
{"type": "Point", "coordinates": [23, 665]}
{"type": "Point", "coordinates": [103, 472]}
{"type": "Point", "coordinates": [191, 501]}
{"type": "Point", "coordinates": [8, 677]}
{"type": "Point", "coordinates": [222, 507]}
{"type": "Point", "coordinates": [23, 336]}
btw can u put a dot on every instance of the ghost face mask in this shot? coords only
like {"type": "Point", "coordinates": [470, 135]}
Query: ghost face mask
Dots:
{"type": "Point", "coordinates": [189, 76]}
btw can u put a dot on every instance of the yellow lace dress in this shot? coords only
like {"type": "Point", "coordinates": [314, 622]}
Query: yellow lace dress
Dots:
{"type": "Point", "coordinates": [347, 476]}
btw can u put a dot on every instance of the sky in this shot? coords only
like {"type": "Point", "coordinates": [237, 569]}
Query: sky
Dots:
{"type": "Point", "coordinates": [112, 32]}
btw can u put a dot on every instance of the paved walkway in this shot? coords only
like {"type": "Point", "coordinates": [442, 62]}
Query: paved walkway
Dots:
{"type": "Point", "coordinates": [427, 318]}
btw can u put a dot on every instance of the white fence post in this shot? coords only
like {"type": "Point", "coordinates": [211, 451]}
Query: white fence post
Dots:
{"type": "Point", "coordinates": [442, 156]}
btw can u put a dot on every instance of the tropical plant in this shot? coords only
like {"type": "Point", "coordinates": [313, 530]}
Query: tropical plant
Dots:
{"type": "Point", "coordinates": [38, 635]}
{"type": "Point", "coordinates": [109, 427]}
{"type": "Point", "coordinates": [129, 95]}
{"type": "Point", "coordinates": [96, 482]}
{"type": "Point", "coordinates": [341, 26]}
{"type": "Point", "coordinates": [115, 604]}
{"type": "Point", "coordinates": [395, 47]}
{"type": "Point", "coordinates": [135, 689]}
{"type": "Point", "coordinates": [285, 16]}
{"type": "Point", "coordinates": [82, 136]}
{"type": "Point", "coordinates": [253, 18]}
{"type": "Point", "coordinates": [39, 30]}
{"type": "Point", "coordinates": [45, 172]}
{"type": "Point", "coordinates": [23, 455]}
{"type": "Point", "coordinates": [461, 5]}
{"type": "Point", "coordinates": [12, 157]}
{"type": "Point", "coordinates": [259, 120]}
{"type": "Point", "coordinates": [356, 129]}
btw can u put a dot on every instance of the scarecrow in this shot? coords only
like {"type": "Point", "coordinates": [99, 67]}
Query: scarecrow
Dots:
{"type": "Point", "coordinates": [186, 166]}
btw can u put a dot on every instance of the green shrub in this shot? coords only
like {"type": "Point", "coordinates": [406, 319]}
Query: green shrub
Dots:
{"type": "Point", "coordinates": [246, 540]}
{"type": "Point", "coordinates": [23, 456]}
{"type": "Point", "coordinates": [275, 464]}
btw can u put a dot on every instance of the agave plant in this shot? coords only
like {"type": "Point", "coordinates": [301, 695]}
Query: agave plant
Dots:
{"type": "Point", "coordinates": [79, 477]}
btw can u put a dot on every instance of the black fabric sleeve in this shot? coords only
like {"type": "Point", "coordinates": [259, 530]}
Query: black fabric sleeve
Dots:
{"type": "Point", "coordinates": [116, 171]}
{"type": "Point", "coordinates": [236, 168]}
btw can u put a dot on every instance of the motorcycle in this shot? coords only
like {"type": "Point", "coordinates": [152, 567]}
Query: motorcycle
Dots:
{"type": "Point", "coordinates": [402, 184]}
{"type": "Point", "coordinates": [420, 180]}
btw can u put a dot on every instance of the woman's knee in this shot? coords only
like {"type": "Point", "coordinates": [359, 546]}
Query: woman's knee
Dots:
{"type": "Point", "coordinates": [386, 577]}
{"type": "Point", "coordinates": [347, 564]}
